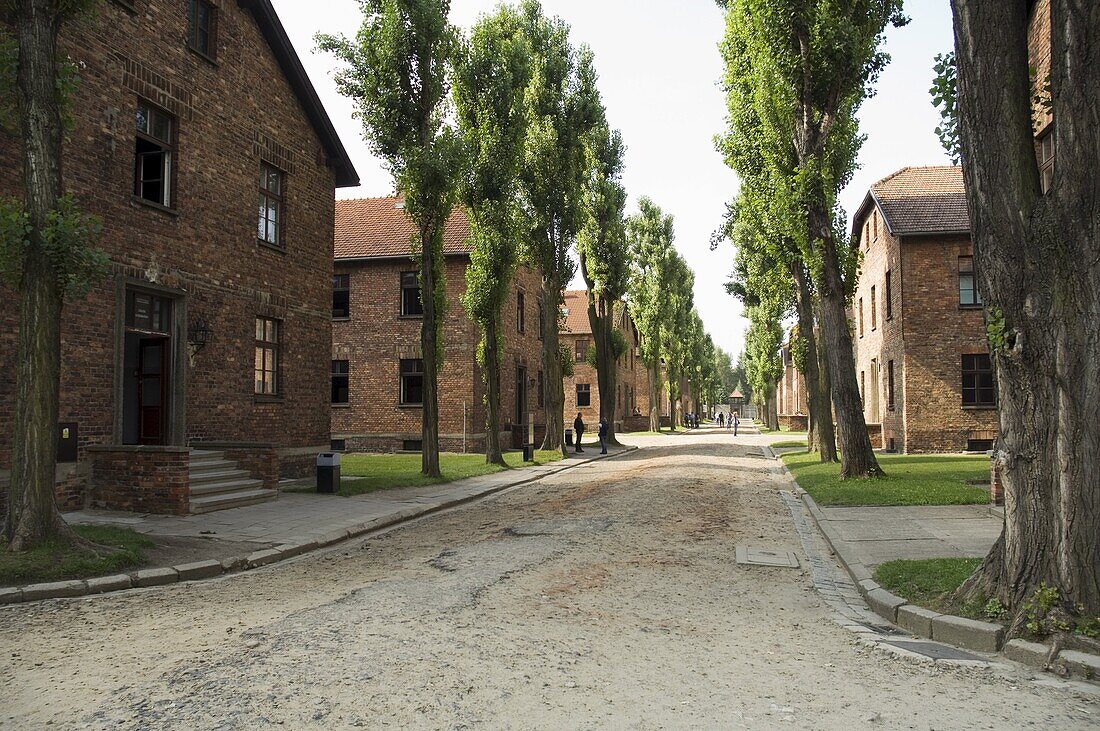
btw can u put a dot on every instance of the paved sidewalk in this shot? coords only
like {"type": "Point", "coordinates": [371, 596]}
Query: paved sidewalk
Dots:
{"type": "Point", "coordinates": [875, 535]}
{"type": "Point", "coordinates": [301, 517]}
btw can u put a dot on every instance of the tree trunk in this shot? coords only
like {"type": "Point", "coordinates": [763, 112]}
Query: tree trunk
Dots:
{"type": "Point", "coordinates": [429, 334]}
{"type": "Point", "coordinates": [772, 408]}
{"type": "Point", "coordinates": [493, 454]}
{"type": "Point", "coordinates": [820, 437]}
{"type": "Point", "coordinates": [655, 397]}
{"type": "Point", "coordinates": [554, 397]}
{"type": "Point", "coordinates": [857, 456]}
{"type": "Point", "coordinates": [601, 318]}
{"type": "Point", "coordinates": [32, 517]}
{"type": "Point", "coordinates": [825, 435]}
{"type": "Point", "coordinates": [1038, 264]}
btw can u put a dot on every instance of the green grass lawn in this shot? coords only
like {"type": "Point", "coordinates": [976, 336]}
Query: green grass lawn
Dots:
{"type": "Point", "coordinates": [57, 563]}
{"type": "Point", "coordinates": [663, 432]}
{"type": "Point", "coordinates": [373, 472]}
{"type": "Point", "coordinates": [788, 443]}
{"type": "Point", "coordinates": [918, 479]}
{"type": "Point", "coordinates": [930, 583]}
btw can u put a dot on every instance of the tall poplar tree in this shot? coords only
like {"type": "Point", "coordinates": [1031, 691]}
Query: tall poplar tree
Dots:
{"type": "Point", "coordinates": [605, 261]}
{"type": "Point", "coordinates": [47, 254]}
{"type": "Point", "coordinates": [491, 81]}
{"type": "Point", "coordinates": [563, 107]}
{"type": "Point", "coordinates": [1037, 255]}
{"type": "Point", "coordinates": [397, 71]}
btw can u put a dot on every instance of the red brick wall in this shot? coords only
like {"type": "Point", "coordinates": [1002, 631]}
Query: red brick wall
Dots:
{"type": "Point", "coordinates": [376, 337]}
{"type": "Point", "coordinates": [141, 479]}
{"type": "Point", "coordinates": [632, 380]}
{"type": "Point", "coordinates": [229, 117]}
{"type": "Point", "coordinates": [1038, 53]}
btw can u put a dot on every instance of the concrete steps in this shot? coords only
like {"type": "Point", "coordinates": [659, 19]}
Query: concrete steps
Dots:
{"type": "Point", "coordinates": [218, 483]}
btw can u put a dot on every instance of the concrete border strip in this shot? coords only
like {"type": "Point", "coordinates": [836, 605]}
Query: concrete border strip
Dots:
{"type": "Point", "coordinates": [212, 568]}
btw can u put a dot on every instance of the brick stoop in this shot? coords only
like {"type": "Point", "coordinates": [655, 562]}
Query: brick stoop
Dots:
{"type": "Point", "coordinates": [217, 482]}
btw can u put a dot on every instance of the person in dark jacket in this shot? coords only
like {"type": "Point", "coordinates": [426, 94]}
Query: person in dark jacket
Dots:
{"type": "Point", "coordinates": [578, 429]}
{"type": "Point", "coordinates": [603, 436]}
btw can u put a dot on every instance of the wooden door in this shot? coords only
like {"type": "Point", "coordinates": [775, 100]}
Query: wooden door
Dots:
{"type": "Point", "coordinates": [152, 378]}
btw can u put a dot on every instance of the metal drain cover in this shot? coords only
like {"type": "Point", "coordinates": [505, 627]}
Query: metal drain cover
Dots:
{"type": "Point", "coordinates": [753, 556]}
{"type": "Point", "coordinates": [934, 650]}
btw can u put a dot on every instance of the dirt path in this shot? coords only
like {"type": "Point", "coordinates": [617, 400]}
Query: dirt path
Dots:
{"type": "Point", "coordinates": [604, 596]}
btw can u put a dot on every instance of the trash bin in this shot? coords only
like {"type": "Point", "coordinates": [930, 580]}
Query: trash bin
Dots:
{"type": "Point", "coordinates": [328, 472]}
{"type": "Point", "coordinates": [569, 437]}
{"type": "Point", "coordinates": [528, 453]}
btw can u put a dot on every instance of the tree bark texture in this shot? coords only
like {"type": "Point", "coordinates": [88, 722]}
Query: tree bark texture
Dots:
{"type": "Point", "coordinates": [32, 516]}
{"type": "Point", "coordinates": [1038, 263]}
{"type": "Point", "coordinates": [655, 397]}
{"type": "Point", "coordinates": [429, 334]}
{"type": "Point", "coordinates": [857, 456]}
{"type": "Point", "coordinates": [493, 454]}
{"type": "Point", "coordinates": [825, 436]}
{"type": "Point", "coordinates": [821, 437]}
{"type": "Point", "coordinates": [554, 397]}
{"type": "Point", "coordinates": [601, 318]}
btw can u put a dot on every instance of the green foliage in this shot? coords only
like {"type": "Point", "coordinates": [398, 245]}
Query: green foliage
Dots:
{"type": "Point", "coordinates": [997, 330]}
{"type": "Point", "coordinates": [566, 357]}
{"type": "Point", "coordinates": [9, 65]}
{"type": "Point", "coordinates": [650, 234]}
{"type": "Point", "coordinates": [945, 97]}
{"type": "Point", "coordinates": [396, 71]}
{"type": "Point", "coordinates": [68, 239]}
{"type": "Point", "coordinates": [373, 472]}
{"type": "Point", "coordinates": [618, 348]}
{"type": "Point", "coordinates": [605, 259]}
{"type": "Point", "coordinates": [994, 610]}
{"type": "Point", "coordinates": [929, 582]}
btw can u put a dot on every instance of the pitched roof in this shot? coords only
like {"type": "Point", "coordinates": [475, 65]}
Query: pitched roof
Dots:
{"type": "Point", "coordinates": [275, 35]}
{"type": "Point", "coordinates": [737, 393]}
{"type": "Point", "coordinates": [576, 313]}
{"type": "Point", "coordinates": [919, 200]}
{"type": "Point", "coordinates": [370, 228]}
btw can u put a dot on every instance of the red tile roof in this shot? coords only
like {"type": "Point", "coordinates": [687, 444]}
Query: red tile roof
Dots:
{"type": "Point", "coordinates": [375, 228]}
{"type": "Point", "coordinates": [919, 200]}
{"type": "Point", "coordinates": [576, 313]}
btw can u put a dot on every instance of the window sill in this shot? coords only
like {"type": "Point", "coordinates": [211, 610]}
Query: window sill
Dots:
{"type": "Point", "coordinates": [410, 317]}
{"type": "Point", "coordinates": [341, 406]}
{"type": "Point", "coordinates": [272, 247]}
{"type": "Point", "coordinates": [205, 57]}
{"type": "Point", "coordinates": [342, 319]}
{"type": "Point", "coordinates": [980, 407]}
{"type": "Point", "coordinates": [410, 406]}
{"type": "Point", "coordinates": [261, 398]}
{"type": "Point", "coordinates": [971, 307]}
{"type": "Point", "coordinates": [139, 201]}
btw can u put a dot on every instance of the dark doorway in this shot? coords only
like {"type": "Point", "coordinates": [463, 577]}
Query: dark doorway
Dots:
{"type": "Point", "coordinates": [146, 376]}
{"type": "Point", "coordinates": [521, 396]}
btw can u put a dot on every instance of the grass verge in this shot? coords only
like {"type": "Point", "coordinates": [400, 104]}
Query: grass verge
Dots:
{"type": "Point", "coordinates": [917, 479]}
{"type": "Point", "coordinates": [372, 472]}
{"type": "Point", "coordinates": [788, 443]}
{"type": "Point", "coordinates": [54, 562]}
{"type": "Point", "coordinates": [930, 583]}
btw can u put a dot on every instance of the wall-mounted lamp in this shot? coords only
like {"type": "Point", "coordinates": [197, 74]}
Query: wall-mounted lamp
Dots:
{"type": "Point", "coordinates": [199, 334]}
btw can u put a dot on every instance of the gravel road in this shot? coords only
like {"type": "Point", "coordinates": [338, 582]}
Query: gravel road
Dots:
{"type": "Point", "coordinates": [606, 596]}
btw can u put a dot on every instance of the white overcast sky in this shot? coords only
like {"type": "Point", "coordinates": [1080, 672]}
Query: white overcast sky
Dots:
{"type": "Point", "coordinates": [659, 66]}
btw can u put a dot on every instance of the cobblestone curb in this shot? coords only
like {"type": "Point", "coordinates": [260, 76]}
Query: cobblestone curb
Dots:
{"type": "Point", "coordinates": [971, 634]}
{"type": "Point", "coordinates": [199, 570]}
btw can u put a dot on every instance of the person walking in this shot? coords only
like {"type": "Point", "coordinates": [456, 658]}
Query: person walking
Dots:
{"type": "Point", "coordinates": [578, 429]}
{"type": "Point", "coordinates": [603, 436]}
{"type": "Point", "coordinates": [721, 420]}
{"type": "Point", "coordinates": [736, 423]}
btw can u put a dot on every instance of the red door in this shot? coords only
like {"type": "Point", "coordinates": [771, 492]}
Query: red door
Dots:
{"type": "Point", "coordinates": [152, 380]}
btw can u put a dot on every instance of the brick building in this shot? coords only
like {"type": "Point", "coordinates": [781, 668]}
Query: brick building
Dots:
{"type": "Point", "coordinates": [922, 357]}
{"type": "Point", "coordinates": [376, 355]}
{"type": "Point", "coordinates": [212, 329]}
{"type": "Point", "coordinates": [582, 391]}
{"type": "Point", "coordinates": [791, 396]}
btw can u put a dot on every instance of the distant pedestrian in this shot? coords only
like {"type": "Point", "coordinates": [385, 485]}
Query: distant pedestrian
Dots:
{"type": "Point", "coordinates": [721, 419]}
{"type": "Point", "coordinates": [736, 423]}
{"type": "Point", "coordinates": [603, 436]}
{"type": "Point", "coordinates": [578, 428]}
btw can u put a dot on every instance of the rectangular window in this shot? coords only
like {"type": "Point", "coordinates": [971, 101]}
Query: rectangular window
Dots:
{"type": "Point", "coordinates": [272, 205]}
{"type": "Point", "coordinates": [977, 381]}
{"type": "Point", "coordinates": [861, 317]}
{"type": "Point", "coordinates": [890, 385]}
{"type": "Point", "coordinates": [584, 394]}
{"type": "Point", "coordinates": [580, 354]}
{"type": "Point", "coordinates": [267, 356]}
{"type": "Point", "coordinates": [412, 381]}
{"type": "Point", "coordinates": [521, 323]}
{"type": "Point", "coordinates": [411, 306]}
{"type": "Point", "coordinates": [340, 378]}
{"type": "Point", "coordinates": [341, 296]}
{"type": "Point", "coordinates": [153, 153]}
{"type": "Point", "coordinates": [147, 312]}
{"type": "Point", "coordinates": [874, 223]}
{"type": "Point", "coordinates": [542, 390]}
{"type": "Point", "coordinates": [874, 309]}
{"type": "Point", "coordinates": [969, 296]}
{"type": "Point", "coordinates": [1045, 154]}
{"type": "Point", "coordinates": [542, 319]}
{"type": "Point", "coordinates": [202, 33]}
{"type": "Point", "coordinates": [889, 296]}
